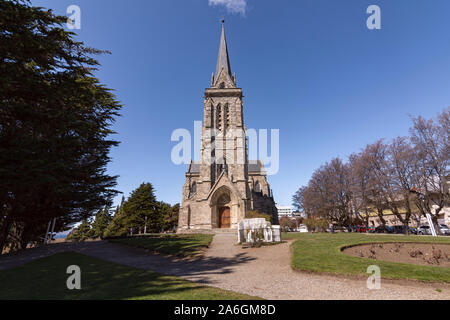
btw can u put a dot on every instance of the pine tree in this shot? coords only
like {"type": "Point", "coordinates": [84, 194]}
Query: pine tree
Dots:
{"type": "Point", "coordinates": [141, 205]}
{"type": "Point", "coordinates": [101, 222]}
{"type": "Point", "coordinates": [170, 216]}
{"type": "Point", "coordinates": [82, 232]}
{"type": "Point", "coordinates": [114, 228]}
{"type": "Point", "coordinates": [133, 212]}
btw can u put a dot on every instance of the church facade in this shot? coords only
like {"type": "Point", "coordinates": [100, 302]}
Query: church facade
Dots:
{"type": "Point", "coordinates": [224, 185]}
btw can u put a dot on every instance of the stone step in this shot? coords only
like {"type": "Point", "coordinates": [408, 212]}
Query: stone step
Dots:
{"type": "Point", "coordinates": [232, 231]}
{"type": "Point", "coordinates": [195, 231]}
{"type": "Point", "coordinates": [207, 231]}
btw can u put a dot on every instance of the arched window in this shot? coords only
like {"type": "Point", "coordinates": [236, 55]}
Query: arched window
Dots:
{"type": "Point", "coordinates": [257, 187]}
{"type": "Point", "coordinates": [193, 190]}
{"type": "Point", "coordinates": [226, 116]}
{"type": "Point", "coordinates": [219, 116]}
{"type": "Point", "coordinates": [222, 85]}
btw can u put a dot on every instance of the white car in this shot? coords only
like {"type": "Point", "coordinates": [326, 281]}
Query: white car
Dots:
{"type": "Point", "coordinates": [425, 230]}
{"type": "Point", "coordinates": [302, 228]}
{"type": "Point", "coordinates": [445, 230]}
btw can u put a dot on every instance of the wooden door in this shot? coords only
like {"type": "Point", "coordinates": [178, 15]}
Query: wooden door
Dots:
{"type": "Point", "coordinates": [224, 215]}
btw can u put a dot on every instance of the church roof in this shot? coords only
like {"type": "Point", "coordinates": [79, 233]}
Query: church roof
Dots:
{"type": "Point", "coordinates": [223, 60]}
{"type": "Point", "coordinates": [194, 167]}
{"type": "Point", "coordinates": [255, 166]}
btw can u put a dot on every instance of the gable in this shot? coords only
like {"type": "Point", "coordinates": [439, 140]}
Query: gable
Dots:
{"type": "Point", "coordinates": [224, 181]}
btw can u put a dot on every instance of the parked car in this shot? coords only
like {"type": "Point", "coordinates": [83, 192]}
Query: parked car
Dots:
{"type": "Point", "coordinates": [381, 229]}
{"type": "Point", "coordinates": [399, 229]}
{"type": "Point", "coordinates": [402, 230]}
{"type": "Point", "coordinates": [445, 230]}
{"type": "Point", "coordinates": [337, 228]}
{"type": "Point", "coordinates": [302, 228]}
{"type": "Point", "coordinates": [371, 229]}
{"type": "Point", "coordinates": [424, 230]}
{"type": "Point", "coordinates": [361, 229]}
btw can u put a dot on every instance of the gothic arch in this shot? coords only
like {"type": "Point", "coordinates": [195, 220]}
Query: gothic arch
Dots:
{"type": "Point", "coordinates": [226, 116]}
{"type": "Point", "coordinates": [219, 116]}
{"type": "Point", "coordinates": [193, 189]}
{"type": "Point", "coordinates": [222, 198]}
{"type": "Point", "coordinates": [257, 187]}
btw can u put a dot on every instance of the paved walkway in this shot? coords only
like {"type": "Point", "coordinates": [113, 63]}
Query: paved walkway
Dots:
{"type": "Point", "coordinates": [263, 272]}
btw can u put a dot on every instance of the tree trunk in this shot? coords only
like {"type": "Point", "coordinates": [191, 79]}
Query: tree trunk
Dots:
{"type": "Point", "coordinates": [381, 217]}
{"type": "Point", "coordinates": [4, 232]}
{"type": "Point", "coordinates": [406, 224]}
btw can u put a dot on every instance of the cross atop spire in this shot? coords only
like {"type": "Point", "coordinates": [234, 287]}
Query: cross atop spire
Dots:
{"type": "Point", "coordinates": [223, 61]}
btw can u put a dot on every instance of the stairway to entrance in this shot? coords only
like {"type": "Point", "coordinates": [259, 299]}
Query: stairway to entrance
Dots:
{"type": "Point", "coordinates": [208, 231]}
{"type": "Point", "coordinates": [219, 231]}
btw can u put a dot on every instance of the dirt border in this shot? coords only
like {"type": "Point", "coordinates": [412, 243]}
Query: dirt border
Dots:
{"type": "Point", "coordinates": [415, 282]}
{"type": "Point", "coordinates": [388, 242]}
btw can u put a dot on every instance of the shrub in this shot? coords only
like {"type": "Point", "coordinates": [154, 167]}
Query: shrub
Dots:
{"type": "Point", "coordinates": [255, 214]}
{"type": "Point", "coordinates": [319, 225]}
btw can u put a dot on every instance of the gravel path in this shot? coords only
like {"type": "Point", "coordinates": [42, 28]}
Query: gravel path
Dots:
{"type": "Point", "coordinates": [263, 272]}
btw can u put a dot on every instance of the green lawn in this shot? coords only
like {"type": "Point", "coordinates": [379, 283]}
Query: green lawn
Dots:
{"type": "Point", "coordinates": [321, 252]}
{"type": "Point", "coordinates": [177, 245]}
{"type": "Point", "coordinates": [46, 279]}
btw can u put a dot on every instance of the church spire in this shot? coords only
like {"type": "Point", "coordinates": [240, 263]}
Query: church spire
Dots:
{"type": "Point", "coordinates": [223, 61]}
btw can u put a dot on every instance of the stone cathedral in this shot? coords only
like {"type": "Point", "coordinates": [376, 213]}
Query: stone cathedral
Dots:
{"type": "Point", "coordinates": [222, 187]}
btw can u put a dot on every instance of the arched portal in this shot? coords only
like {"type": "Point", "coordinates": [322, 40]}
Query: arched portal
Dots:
{"type": "Point", "coordinates": [223, 208]}
{"type": "Point", "coordinates": [223, 205]}
{"type": "Point", "coordinates": [224, 217]}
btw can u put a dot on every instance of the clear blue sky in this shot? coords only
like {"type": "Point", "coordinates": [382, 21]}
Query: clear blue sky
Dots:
{"type": "Point", "coordinates": [310, 68]}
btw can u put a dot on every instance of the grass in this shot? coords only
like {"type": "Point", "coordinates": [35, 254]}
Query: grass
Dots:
{"type": "Point", "coordinates": [321, 252]}
{"type": "Point", "coordinates": [46, 278]}
{"type": "Point", "coordinates": [177, 245]}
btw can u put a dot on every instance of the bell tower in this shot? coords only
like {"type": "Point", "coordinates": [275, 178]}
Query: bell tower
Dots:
{"type": "Point", "coordinates": [223, 133]}
{"type": "Point", "coordinates": [223, 185]}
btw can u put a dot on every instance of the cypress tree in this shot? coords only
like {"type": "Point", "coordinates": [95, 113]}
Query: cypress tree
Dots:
{"type": "Point", "coordinates": [55, 119]}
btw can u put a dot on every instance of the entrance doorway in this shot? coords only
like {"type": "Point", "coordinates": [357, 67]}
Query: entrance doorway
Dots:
{"type": "Point", "coordinates": [224, 217]}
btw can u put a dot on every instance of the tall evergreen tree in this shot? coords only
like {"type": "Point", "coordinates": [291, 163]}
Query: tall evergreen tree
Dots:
{"type": "Point", "coordinates": [55, 119]}
{"type": "Point", "coordinates": [139, 210]}
{"type": "Point", "coordinates": [114, 227]}
{"type": "Point", "coordinates": [170, 216]}
{"type": "Point", "coordinates": [82, 232]}
{"type": "Point", "coordinates": [101, 222]}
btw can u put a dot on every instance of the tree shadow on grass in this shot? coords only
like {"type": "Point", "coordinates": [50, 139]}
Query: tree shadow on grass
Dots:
{"type": "Point", "coordinates": [201, 268]}
{"type": "Point", "coordinates": [46, 279]}
{"type": "Point", "coordinates": [184, 246]}
{"type": "Point", "coordinates": [198, 269]}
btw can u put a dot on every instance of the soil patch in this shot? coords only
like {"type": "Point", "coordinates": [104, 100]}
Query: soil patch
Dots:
{"type": "Point", "coordinates": [425, 254]}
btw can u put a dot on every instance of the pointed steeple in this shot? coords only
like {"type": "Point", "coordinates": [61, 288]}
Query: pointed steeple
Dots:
{"type": "Point", "coordinates": [223, 61]}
